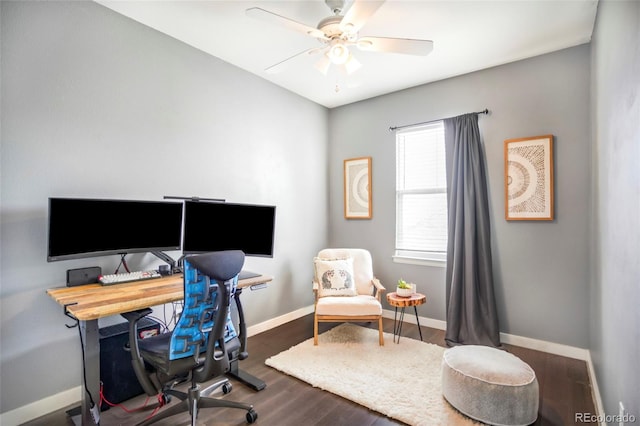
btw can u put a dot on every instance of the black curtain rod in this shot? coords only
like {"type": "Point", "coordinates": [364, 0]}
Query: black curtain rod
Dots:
{"type": "Point", "coordinates": [391, 129]}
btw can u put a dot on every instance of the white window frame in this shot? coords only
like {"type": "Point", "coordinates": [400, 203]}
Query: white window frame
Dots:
{"type": "Point", "coordinates": [403, 255]}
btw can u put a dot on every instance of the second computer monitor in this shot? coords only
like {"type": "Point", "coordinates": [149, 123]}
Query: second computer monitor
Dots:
{"type": "Point", "coordinates": [214, 226]}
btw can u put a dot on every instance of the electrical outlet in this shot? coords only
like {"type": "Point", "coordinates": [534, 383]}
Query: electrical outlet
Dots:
{"type": "Point", "coordinates": [621, 415]}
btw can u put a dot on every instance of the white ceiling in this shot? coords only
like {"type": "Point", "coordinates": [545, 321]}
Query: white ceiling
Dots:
{"type": "Point", "coordinates": [467, 36]}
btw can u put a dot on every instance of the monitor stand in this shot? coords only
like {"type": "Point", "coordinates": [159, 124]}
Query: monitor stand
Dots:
{"type": "Point", "coordinates": [165, 258]}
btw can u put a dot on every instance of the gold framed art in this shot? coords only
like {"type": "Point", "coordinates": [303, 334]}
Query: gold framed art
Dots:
{"type": "Point", "coordinates": [357, 188]}
{"type": "Point", "coordinates": [528, 178]}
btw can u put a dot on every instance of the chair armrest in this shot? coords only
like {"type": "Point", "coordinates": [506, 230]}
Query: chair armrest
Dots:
{"type": "Point", "coordinates": [316, 287]}
{"type": "Point", "coordinates": [137, 362]}
{"type": "Point", "coordinates": [135, 316]}
{"type": "Point", "coordinates": [379, 288]}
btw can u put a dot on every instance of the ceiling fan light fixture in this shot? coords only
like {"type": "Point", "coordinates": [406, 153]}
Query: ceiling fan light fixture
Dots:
{"type": "Point", "coordinates": [338, 53]}
{"type": "Point", "coordinates": [352, 65]}
{"type": "Point", "coordinates": [339, 32]}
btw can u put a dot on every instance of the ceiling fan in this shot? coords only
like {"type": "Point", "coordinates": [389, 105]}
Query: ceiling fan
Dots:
{"type": "Point", "coordinates": [340, 32]}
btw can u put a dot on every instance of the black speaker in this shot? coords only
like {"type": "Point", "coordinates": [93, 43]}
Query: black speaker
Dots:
{"type": "Point", "coordinates": [82, 276]}
{"type": "Point", "coordinates": [119, 382]}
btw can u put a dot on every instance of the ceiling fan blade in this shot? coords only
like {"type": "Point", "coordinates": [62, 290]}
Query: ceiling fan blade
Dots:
{"type": "Point", "coordinates": [358, 14]}
{"type": "Point", "coordinates": [406, 46]}
{"type": "Point", "coordinates": [276, 68]}
{"type": "Point", "coordinates": [265, 15]}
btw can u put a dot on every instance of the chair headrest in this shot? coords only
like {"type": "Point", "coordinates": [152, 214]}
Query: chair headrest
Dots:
{"type": "Point", "coordinates": [219, 265]}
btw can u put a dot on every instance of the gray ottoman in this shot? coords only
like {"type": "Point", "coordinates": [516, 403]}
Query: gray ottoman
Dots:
{"type": "Point", "coordinates": [490, 385]}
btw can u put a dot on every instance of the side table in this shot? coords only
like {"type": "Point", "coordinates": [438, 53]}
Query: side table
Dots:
{"type": "Point", "coordinates": [414, 300]}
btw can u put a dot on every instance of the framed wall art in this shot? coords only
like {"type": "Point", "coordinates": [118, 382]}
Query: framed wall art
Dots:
{"type": "Point", "coordinates": [528, 178]}
{"type": "Point", "coordinates": [357, 188]}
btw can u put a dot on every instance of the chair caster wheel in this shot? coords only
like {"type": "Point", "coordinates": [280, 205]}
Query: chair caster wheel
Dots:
{"type": "Point", "coordinates": [166, 398]}
{"type": "Point", "coordinates": [226, 388]}
{"type": "Point", "coordinates": [252, 416]}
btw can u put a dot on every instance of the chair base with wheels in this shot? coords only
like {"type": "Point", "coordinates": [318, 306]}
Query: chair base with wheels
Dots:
{"type": "Point", "coordinates": [199, 348]}
{"type": "Point", "coordinates": [194, 399]}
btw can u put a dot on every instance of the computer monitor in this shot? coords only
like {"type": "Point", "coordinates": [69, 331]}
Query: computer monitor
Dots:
{"type": "Point", "coordinates": [213, 226]}
{"type": "Point", "coordinates": [83, 227]}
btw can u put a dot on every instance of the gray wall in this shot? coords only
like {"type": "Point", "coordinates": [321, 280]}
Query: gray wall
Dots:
{"type": "Point", "coordinates": [84, 88]}
{"type": "Point", "coordinates": [97, 105]}
{"type": "Point", "coordinates": [615, 319]}
{"type": "Point", "coordinates": [541, 268]}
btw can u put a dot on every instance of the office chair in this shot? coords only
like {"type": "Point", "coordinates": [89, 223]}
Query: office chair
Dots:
{"type": "Point", "coordinates": [199, 346]}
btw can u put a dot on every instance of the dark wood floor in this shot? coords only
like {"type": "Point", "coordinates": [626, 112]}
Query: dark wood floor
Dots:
{"type": "Point", "coordinates": [564, 389]}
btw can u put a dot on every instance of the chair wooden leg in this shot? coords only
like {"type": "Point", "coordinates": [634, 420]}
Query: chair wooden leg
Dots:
{"type": "Point", "coordinates": [380, 331]}
{"type": "Point", "coordinates": [315, 331]}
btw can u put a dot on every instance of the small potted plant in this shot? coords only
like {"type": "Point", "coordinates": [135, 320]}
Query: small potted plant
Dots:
{"type": "Point", "coordinates": [404, 289]}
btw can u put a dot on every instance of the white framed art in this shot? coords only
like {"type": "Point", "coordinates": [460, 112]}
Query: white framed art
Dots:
{"type": "Point", "coordinates": [357, 188]}
{"type": "Point", "coordinates": [528, 178]}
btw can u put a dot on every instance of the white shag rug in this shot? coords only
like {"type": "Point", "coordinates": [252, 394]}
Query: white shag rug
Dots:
{"type": "Point", "coordinates": [401, 381]}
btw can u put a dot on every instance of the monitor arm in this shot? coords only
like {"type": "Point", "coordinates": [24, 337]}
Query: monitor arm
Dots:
{"type": "Point", "coordinates": [165, 258]}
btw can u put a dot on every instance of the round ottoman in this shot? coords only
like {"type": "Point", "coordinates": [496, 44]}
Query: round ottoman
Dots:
{"type": "Point", "coordinates": [490, 385]}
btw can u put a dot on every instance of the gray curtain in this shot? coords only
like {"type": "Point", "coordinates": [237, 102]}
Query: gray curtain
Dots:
{"type": "Point", "coordinates": [472, 318]}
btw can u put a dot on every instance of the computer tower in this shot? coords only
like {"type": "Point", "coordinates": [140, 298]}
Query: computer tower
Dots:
{"type": "Point", "coordinates": [119, 381]}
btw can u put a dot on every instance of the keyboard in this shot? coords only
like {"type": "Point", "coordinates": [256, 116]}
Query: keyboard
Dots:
{"type": "Point", "coordinates": [126, 277]}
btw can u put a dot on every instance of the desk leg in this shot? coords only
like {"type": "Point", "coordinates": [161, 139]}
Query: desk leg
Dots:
{"type": "Point", "coordinates": [91, 340]}
{"type": "Point", "coordinates": [234, 371]}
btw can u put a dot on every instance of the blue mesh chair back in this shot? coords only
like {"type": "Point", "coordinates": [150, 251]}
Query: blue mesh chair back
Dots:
{"type": "Point", "coordinates": [189, 338]}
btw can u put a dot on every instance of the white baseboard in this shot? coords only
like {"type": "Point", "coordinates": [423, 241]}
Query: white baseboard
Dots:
{"type": "Point", "coordinates": [544, 346]}
{"type": "Point", "coordinates": [411, 318]}
{"type": "Point", "coordinates": [41, 407]}
{"type": "Point", "coordinates": [597, 398]}
{"type": "Point", "coordinates": [277, 321]}
{"type": "Point", "coordinates": [70, 396]}
{"type": "Point", "coordinates": [510, 339]}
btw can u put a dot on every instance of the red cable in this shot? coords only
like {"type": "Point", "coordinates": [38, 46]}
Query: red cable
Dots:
{"type": "Point", "coordinates": [123, 262]}
{"type": "Point", "coordinates": [133, 410]}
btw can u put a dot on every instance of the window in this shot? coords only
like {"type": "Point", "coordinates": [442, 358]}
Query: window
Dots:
{"type": "Point", "coordinates": [421, 195]}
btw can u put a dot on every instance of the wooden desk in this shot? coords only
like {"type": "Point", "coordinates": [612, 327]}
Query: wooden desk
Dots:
{"type": "Point", "coordinates": [88, 303]}
{"type": "Point", "coordinates": [93, 301]}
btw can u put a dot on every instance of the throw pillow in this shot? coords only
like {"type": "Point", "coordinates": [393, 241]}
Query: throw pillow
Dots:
{"type": "Point", "coordinates": [335, 277]}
